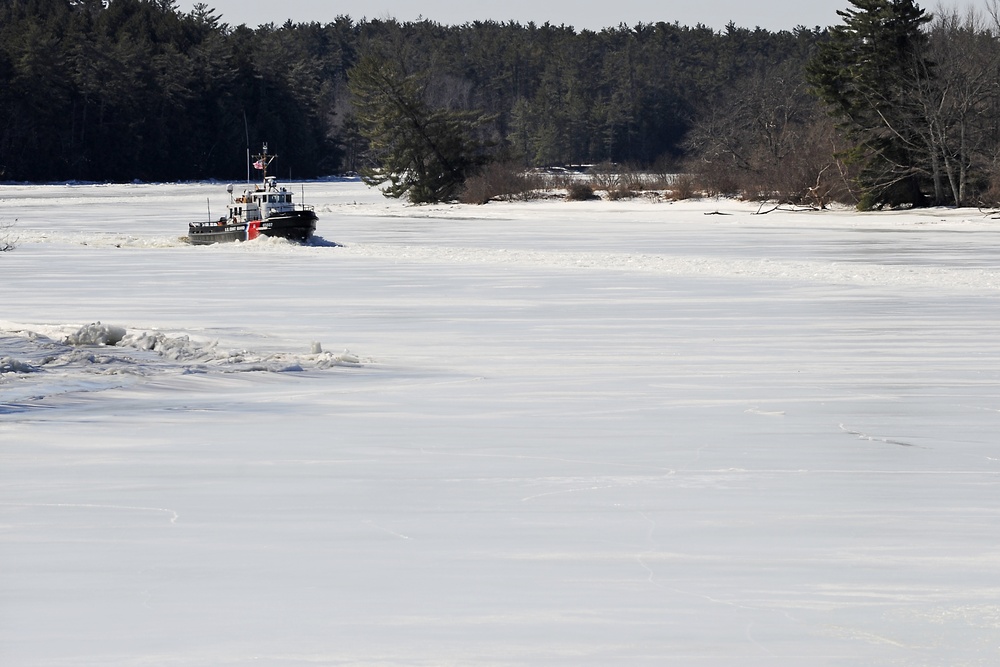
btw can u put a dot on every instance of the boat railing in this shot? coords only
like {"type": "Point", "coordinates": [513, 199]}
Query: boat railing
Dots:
{"type": "Point", "coordinates": [221, 222]}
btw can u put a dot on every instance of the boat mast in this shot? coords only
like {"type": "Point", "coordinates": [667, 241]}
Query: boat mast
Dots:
{"type": "Point", "coordinates": [263, 160]}
{"type": "Point", "coordinates": [246, 130]}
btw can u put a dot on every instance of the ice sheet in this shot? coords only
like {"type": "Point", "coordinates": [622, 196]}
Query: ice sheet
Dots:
{"type": "Point", "coordinates": [592, 433]}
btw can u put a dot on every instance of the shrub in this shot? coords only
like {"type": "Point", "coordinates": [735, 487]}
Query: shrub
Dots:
{"type": "Point", "coordinates": [604, 177]}
{"type": "Point", "coordinates": [504, 181]}
{"type": "Point", "coordinates": [806, 171]}
{"type": "Point", "coordinates": [631, 180]}
{"type": "Point", "coordinates": [718, 177]}
{"type": "Point", "coordinates": [558, 179]}
{"type": "Point", "coordinates": [664, 174]}
{"type": "Point", "coordinates": [577, 191]}
{"type": "Point", "coordinates": [621, 192]}
{"type": "Point", "coordinates": [989, 191]}
{"type": "Point", "coordinates": [683, 186]}
{"type": "Point", "coordinates": [619, 181]}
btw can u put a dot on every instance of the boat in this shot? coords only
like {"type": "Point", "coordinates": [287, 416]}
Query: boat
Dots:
{"type": "Point", "coordinates": [265, 209]}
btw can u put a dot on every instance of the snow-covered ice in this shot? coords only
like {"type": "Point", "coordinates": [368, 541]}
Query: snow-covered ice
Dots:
{"type": "Point", "coordinates": [529, 433]}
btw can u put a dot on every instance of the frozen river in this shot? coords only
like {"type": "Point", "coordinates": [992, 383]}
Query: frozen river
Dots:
{"type": "Point", "coordinates": [541, 433]}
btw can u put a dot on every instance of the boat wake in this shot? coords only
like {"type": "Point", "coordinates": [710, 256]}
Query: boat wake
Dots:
{"type": "Point", "coordinates": [60, 360]}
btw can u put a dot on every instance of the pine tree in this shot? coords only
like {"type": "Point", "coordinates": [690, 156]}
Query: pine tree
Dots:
{"type": "Point", "coordinates": [423, 153]}
{"type": "Point", "coordinates": [868, 73]}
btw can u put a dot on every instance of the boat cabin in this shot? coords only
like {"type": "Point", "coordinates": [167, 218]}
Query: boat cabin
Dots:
{"type": "Point", "coordinates": [262, 202]}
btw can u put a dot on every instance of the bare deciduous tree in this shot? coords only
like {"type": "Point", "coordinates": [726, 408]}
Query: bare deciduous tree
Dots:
{"type": "Point", "coordinates": [959, 105]}
{"type": "Point", "coordinates": [769, 139]}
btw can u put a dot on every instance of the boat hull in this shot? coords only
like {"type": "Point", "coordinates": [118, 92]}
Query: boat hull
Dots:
{"type": "Point", "coordinates": [294, 225]}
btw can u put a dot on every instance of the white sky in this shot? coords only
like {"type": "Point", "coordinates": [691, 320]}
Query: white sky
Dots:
{"type": "Point", "coordinates": [773, 15]}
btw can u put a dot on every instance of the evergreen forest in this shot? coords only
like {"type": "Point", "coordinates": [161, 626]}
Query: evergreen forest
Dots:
{"type": "Point", "coordinates": [123, 90]}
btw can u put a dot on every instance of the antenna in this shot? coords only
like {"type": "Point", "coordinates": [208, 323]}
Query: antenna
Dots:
{"type": "Point", "coordinates": [246, 130]}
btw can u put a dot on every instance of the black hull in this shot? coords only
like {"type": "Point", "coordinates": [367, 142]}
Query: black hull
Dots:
{"type": "Point", "coordinates": [294, 226]}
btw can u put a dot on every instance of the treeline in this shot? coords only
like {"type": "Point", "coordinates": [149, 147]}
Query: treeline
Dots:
{"type": "Point", "coordinates": [135, 89]}
{"type": "Point", "coordinates": [896, 107]}
{"type": "Point", "coordinates": [892, 107]}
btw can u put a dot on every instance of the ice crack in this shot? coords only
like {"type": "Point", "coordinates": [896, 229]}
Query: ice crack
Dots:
{"type": "Point", "coordinates": [873, 438]}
